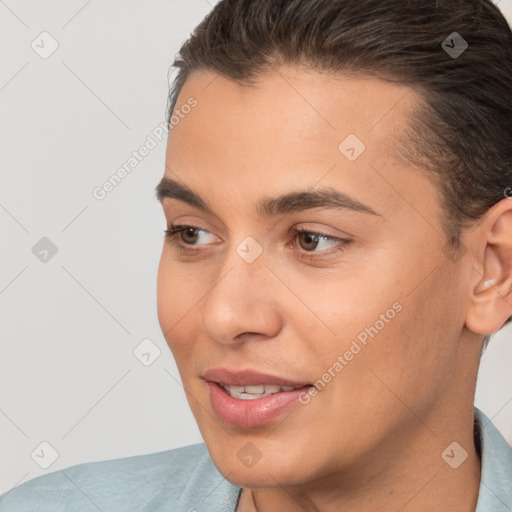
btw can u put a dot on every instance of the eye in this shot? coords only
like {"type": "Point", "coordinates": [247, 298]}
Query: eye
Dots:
{"type": "Point", "coordinates": [310, 241]}
{"type": "Point", "coordinates": [188, 234]}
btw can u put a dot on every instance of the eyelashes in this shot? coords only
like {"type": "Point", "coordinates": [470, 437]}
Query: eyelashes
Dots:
{"type": "Point", "coordinates": [171, 234]}
{"type": "Point", "coordinates": [175, 234]}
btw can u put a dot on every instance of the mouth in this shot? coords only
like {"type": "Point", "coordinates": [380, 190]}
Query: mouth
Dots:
{"type": "Point", "coordinates": [249, 398]}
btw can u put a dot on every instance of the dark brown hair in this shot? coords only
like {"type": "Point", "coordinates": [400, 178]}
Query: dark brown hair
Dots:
{"type": "Point", "coordinates": [461, 131]}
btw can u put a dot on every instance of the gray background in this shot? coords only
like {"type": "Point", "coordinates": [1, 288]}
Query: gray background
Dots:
{"type": "Point", "coordinates": [70, 324]}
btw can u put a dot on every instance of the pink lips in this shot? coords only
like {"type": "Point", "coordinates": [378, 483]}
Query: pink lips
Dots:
{"type": "Point", "coordinates": [255, 412]}
{"type": "Point", "coordinates": [247, 378]}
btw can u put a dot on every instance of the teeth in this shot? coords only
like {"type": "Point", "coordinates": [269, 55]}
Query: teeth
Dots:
{"type": "Point", "coordinates": [253, 392]}
{"type": "Point", "coordinates": [245, 396]}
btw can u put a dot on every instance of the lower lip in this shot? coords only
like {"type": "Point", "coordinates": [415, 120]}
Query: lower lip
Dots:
{"type": "Point", "coordinates": [254, 412]}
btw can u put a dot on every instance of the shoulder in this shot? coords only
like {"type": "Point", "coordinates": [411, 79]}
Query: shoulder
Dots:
{"type": "Point", "coordinates": [129, 483]}
{"type": "Point", "coordinates": [495, 493]}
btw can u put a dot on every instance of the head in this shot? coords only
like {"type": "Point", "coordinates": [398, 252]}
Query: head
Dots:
{"type": "Point", "coordinates": [301, 104]}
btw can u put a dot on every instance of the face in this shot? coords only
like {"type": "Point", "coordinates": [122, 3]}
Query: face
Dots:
{"type": "Point", "coordinates": [343, 293]}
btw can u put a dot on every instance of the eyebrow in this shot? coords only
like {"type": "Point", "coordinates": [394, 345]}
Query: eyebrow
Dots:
{"type": "Point", "coordinates": [295, 201]}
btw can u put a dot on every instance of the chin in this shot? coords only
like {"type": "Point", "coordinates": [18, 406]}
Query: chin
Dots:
{"type": "Point", "coordinates": [262, 475]}
{"type": "Point", "coordinates": [243, 464]}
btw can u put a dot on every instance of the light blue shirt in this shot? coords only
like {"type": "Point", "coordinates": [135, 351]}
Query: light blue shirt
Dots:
{"type": "Point", "coordinates": [186, 480]}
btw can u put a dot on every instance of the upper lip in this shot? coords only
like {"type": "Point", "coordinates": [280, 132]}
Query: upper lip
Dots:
{"type": "Point", "coordinates": [247, 378]}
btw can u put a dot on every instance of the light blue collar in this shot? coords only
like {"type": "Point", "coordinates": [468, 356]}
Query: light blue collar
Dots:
{"type": "Point", "coordinates": [495, 492]}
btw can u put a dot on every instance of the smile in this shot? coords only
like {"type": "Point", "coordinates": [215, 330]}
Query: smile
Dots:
{"type": "Point", "coordinates": [251, 398]}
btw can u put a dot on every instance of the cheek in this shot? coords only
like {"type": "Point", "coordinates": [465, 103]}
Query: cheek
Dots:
{"type": "Point", "coordinates": [383, 320]}
{"type": "Point", "coordinates": [347, 305]}
{"type": "Point", "coordinates": [174, 301]}
{"type": "Point", "coordinates": [179, 293]}
{"type": "Point", "coordinates": [413, 359]}
{"type": "Point", "coordinates": [164, 296]}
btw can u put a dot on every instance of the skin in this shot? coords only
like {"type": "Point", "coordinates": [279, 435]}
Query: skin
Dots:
{"type": "Point", "coordinates": [372, 439]}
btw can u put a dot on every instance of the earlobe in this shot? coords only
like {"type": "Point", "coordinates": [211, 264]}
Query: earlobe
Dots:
{"type": "Point", "coordinates": [491, 297]}
{"type": "Point", "coordinates": [489, 310]}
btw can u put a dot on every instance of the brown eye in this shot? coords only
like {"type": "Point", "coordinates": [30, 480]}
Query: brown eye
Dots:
{"type": "Point", "coordinates": [308, 241]}
{"type": "Point", "coordinates": [189, 235]}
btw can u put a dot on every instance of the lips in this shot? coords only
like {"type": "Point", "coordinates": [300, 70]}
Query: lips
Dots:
{"type": "Point", "coordinates": [249, 378]}
{"type": "Point", "coordinates": [249, 398]}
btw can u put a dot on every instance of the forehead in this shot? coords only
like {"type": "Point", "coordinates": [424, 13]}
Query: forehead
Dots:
{"type": "Point", "coordinates": [288, 106]}
{"type": "Point", "coordinates": [310, 100]}
{"type": "Point", "coordinates": [291, 127]}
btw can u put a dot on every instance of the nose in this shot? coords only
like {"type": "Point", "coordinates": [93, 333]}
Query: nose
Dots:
{"type": "Point", "coordinates": [242, 304]}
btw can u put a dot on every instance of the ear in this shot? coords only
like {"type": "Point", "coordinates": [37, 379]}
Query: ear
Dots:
{"type": "Point", "coordinates": [490, 301]}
